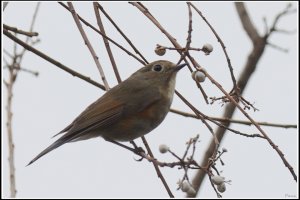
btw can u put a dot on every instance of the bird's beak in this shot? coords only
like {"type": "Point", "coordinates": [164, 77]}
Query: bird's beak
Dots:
{"type": "Point", "coordinates": [179, 67]}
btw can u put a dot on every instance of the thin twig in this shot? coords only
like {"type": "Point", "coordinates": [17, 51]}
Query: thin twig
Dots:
{"type": "Point", "coordinates": [186, 114]}
{"type": "Point", "coordinates": [192, 164]}
{"type": "Point", "coordinates": [19, 31]}
{"type": "Point", "coordinates": [108, 49]}
{"type": "Point", "coordinates": [155, 164]}
{"type": "Point", "coordinates": [51, 60]}
{"type": "Point", "coordinates": [286, 11]}
{"type": "Point", "coordinates": [189, 37]}
{"type": "Point", "coordinates": [286, 163]}
{"type": "Point", "coordinates": [34, 17]}
{"type": "Point", "coordinates": [121, 32]}
{"type": "Point", "coordinates": [112, 41]}
{"type": "Point", "coordinates": [222, 45]}
{"type": "Point", "coordinates": [274, 46]}
{"type": "Point", "coordinates": [87, 42]}
{"type": "Point", "coordinates": [35, 73]}
{"type": "Point", "coordinates": [198, 113]}
{"type": "Point", "coordinates": [13, 69]}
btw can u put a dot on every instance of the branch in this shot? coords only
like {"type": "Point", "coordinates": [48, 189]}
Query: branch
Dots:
{"type": "Point", "coordinates": [108, 49]}
{"type": "Point", "coordinates": [189, 37]}
{"type": "Point", "coordinates": [199, 114]}
{"type": "Point", "coordinates": [87, 42]}
{"type": "Point", "coordinates": [121, 32]}
{"type": "Point", "coordinates": [16, 30]}
{"type": "Point", "coordinates": [254, 56]}
{"type": "Point", "coordinates": [155, 164]}
{"type": "Point", "coordinates": [11, 146]}
{"type": "Point", "coordinates": [31, 28]}
{"type": "Point", "coordinates": [274, 46]}
{"type": "Point", "coordinates": [13, 69]}
{"type": "Point", "coordinates": [112, 41]}
{"type": "Point", "coordinates": [286, 11]}
{"type": "Point", "coordinates": [286, 163]}
{"type": "Point", "coordinates": [235, 87]}
{"type": "Point", "coordinates": [227, 120]}
{"type": "Point", "coordinates": [246, 22]}
{"type": "Point", "coordinates": [51, 60]}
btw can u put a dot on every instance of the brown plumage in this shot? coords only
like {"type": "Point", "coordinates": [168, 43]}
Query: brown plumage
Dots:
{"type": "Point", "coordinates": [127, 111]}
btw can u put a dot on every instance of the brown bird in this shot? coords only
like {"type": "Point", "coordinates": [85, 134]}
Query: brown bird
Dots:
{"type": "Point", "coordinates": [127, 111]}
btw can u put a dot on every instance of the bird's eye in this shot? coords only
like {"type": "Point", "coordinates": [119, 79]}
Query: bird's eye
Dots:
{"type": "Point", "coordinates": [157, 68]}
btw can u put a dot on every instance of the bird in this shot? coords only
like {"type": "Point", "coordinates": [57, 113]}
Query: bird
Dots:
{"type": "Point", "coordinates": [127, 111]}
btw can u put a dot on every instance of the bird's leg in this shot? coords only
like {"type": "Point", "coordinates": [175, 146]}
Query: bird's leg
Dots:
{"type": "Point", "coordinates": [121, 145]}
{"type": "Point", "coordinates": [136, 148]}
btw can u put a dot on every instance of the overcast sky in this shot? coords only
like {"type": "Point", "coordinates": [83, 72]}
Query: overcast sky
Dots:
{"type": "Point", "coordinates": [97, 169]}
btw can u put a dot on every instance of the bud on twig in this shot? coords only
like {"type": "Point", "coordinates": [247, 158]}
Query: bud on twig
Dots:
{"type": "Point", "coordinates": [160, 50]}
{"type": "Point", "coordinates": [207, 48]}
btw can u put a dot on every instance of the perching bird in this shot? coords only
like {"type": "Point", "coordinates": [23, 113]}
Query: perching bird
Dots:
{"type": "Point", "coordinates": [127, 111]}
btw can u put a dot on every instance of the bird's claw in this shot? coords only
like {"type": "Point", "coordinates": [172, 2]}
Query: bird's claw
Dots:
{"type": "Point", "coordinates": [139, 151]}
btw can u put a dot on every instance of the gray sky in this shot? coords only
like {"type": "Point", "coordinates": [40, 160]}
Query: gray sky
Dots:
{"type": "Point", "coordinates": [94, 168]}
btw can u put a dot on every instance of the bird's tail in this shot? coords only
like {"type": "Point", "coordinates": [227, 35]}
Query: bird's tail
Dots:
{"type": "Point", "coordinates": [64, 139]}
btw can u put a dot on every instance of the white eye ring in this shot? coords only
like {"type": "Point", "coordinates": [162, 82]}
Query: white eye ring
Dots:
{"type": "Point", "coordinates": [157, 68]}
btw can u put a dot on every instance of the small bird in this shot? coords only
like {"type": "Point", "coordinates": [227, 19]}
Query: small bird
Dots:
{"type": "Point", "coordinates": [127, 111]}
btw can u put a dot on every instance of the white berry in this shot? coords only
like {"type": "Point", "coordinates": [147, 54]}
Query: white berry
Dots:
{"type": "Point", "coordinates": [217, 180]}
{"type": "Point", "coordinates": [198, 76]}
{"type": "Point", "coordinates": [163, 148]}
{"type": "Point", "coordinates": [185, 186]}
{"type": "Point", "coordinates": [207, 48]}
{"type": "Point", "coordinates": [160, 50]}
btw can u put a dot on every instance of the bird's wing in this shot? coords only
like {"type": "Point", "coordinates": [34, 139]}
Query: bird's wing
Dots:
{"type": "Point", "coordinates": [104, 112]}
{"type": "Point", "coordinates": [101, 111]}
{"type": "Point", "coordinates": [80, 126]}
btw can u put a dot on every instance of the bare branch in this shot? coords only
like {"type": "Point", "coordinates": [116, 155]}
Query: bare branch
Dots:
{"type": "Point", "coordinates": [220, 119]}
{"type": "Point", "coordinates": [286, 163]}
{"type": "Point", "coordinates": [108, 49]}
{"type": "Point", "coordinates": [286, 11]}
{"type": "Point", "coordinates": [121, 32]}
{"type": "Point", "coordinates": [274, 46]}
{"type": "Point", "coordinates": [51, 60]}
{"type": "Point", "coordinates": [189, 37]}
{"type": "Point", "coordinates": [87, 42]}
{"type": "Point", "coordinates": [112, 41]}
{"type": "Point", "coordinates": [31, 29]}
{"type": "Point", "coordinates": [222, 45]}
{"type": "Point", "coordinates": [259, 44]}
{"type": "Point", "coordinates": [246, 21]}
{"type": "Point", "coordinates": [16, 30]}
{"type": "Point", "coordinates": [11, 146]}
{"type": "Point", "coordinates": [199, 114]}
{"type": "Point", "coordinates": [155, 164]}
